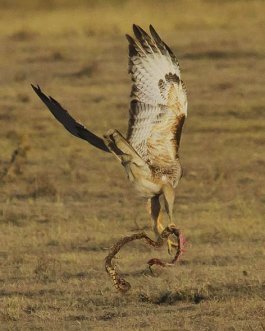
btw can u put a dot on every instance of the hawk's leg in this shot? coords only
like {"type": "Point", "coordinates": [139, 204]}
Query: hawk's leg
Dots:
{"type": "Point", "coordinates": [169, 196]}
{"type": "Point", "coordinates": [154, 208]}
{"type": "Point", "coordinates": [156, 216]}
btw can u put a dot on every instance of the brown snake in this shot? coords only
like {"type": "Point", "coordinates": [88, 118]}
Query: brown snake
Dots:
{"type": "Point", "coordinates": [120, 283]}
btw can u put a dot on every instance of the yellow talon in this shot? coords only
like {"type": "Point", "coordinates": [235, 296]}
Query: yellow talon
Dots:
{"type": "Point", "coordinates": [170, 246]}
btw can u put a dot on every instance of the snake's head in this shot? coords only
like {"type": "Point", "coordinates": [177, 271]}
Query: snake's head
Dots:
{"type": "Point", "coordinates": [123, 286]}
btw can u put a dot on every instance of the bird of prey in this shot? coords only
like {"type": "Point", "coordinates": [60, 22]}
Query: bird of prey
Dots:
{"type": "Point", "coordinates": [149, 152]}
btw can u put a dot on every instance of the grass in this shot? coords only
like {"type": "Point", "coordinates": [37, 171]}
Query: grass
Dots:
{"type": "Point", "coordinates": [63, 203]}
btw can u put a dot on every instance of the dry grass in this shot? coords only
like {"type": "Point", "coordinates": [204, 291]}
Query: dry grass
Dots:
{"type": "Point", "coordinates": [63, 203]}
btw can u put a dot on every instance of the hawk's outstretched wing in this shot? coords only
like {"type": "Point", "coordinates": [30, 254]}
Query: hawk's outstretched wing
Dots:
{"type": "Point", "coordinates": [69, 122]}
{"type": "Point", "coordinates": [159, 101]}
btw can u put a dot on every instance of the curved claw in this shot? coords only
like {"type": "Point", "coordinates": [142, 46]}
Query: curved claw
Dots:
{"type": "Point", "coordinates": [171, 229]}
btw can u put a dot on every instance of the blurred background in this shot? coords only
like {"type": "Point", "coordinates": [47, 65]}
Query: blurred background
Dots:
{"type": "Point", "coordinates": [60, 198]}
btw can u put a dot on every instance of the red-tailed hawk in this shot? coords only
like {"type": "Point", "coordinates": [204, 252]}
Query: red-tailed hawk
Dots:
{"type": "Point", "coordinates": [149, 152]}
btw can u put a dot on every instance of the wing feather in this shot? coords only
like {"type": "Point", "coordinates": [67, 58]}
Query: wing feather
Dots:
{"type": "Point", "coordinates": [71, 125]}
{"type": "Point", "coordinates": [158, 98]}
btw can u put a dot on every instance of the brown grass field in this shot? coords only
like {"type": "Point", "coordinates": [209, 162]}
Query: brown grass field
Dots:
{"type": "Point", "coordinates": [63, 204]}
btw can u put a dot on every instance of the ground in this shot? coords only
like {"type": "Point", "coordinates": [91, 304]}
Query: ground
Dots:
{"type": "Point", "coordinates": [63, 204]}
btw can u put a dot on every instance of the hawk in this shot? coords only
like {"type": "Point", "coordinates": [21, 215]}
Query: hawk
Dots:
{"type": "Point", "coordinates": [149, 152]}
